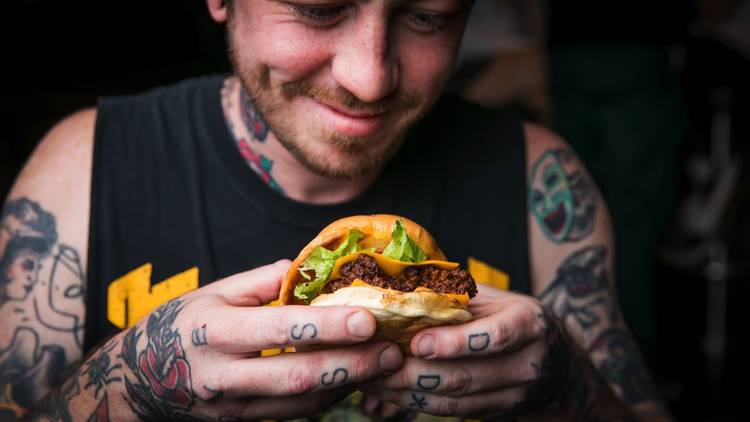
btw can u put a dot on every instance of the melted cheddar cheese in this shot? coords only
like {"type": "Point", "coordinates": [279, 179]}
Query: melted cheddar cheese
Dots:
{"type": "Point", "coordinates": [390, 266]}
{"type": "Point", "coordinates": [462, 298]}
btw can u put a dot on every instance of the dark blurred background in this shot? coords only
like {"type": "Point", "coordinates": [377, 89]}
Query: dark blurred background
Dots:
{"type": "Point", "coordinates": [654, 96]}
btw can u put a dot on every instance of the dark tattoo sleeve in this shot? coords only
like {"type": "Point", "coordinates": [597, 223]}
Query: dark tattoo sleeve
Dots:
{"type": "Point", "coordinates": [101, 413]}
{"type": "Point", "coordinates": [57, 406]}
{"type": "Point", "coordinates": [580, 287]}
{"type": "Point", "coordinates": [622, 366]}
{"type": "Point", "coordinates": [42, 286]}
{"type": "Point", "coordinates": [161, 386]}
{"type": "Point", "coordinates": [95, 374]}
{"type": "Point", "coordinates": [100, 368]}
{"type": "Point", "coordinates": [569, 384]}
{"type": "Point", "coordinates": [581, 296]}
{"type": "Point", "coordinates": [562, 198]}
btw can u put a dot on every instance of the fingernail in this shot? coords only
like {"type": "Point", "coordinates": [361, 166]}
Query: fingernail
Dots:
{"type": "Point", "coordinates": [390, 358]}
{"type": "Point", "coordinates": [359, 325]}
{"type": "Point", "coordinates": [426, 346]}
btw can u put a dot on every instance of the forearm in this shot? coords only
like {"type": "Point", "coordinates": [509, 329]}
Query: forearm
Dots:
{"type": "Point", "coordinates": [95, 392]}
{"type": "Point", "coordinates": [578, 390]}
{"type": "Point", "coordinates": [587, 397]}
{"type": "Point", "coordinates": [571, 388]}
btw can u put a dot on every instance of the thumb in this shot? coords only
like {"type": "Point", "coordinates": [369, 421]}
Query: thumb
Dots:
{"type": "Point", "coordinates": [256, 287]}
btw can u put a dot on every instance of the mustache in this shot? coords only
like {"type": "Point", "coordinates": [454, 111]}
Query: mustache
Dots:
{"type": "Point", "coordinates": [342, 98]}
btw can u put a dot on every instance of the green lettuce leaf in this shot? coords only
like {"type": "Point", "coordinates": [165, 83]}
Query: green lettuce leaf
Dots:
{"type": "Point", "coordinates": [321, 261]}
{"type": "Point", "coordinates": [402, 247]}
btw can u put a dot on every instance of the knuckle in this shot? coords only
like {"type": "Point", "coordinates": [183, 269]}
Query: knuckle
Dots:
{"type": "Point", "coordinates": [362, 367]}
{"type": "Point", "coordinates": [539, 329]}
{"type": "Point", "coordinates": [276, 332]}
{"type": "Point", "coordinates": [454, 346]}
{"type": "Point", "coordinates": [447, 407]}
{"type": "Point", "coordinates": [458, 383]}
{"type": "Point", "coordinates": [538, 321]}
{"type": "Point", "coordinates": [300, 379]}
{"type": "Point", "coordinates": [222, 382]}
{"type": "Point", "coordinates": [501, 335]}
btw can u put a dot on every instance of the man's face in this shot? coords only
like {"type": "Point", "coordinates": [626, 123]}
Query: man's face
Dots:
{"type": "Point", "coordinates": [341, 82]}
{"type": "Point", "coordinates": [22, 274]}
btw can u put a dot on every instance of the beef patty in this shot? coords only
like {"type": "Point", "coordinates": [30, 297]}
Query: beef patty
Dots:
{"type": "Point", "coordinates": [432, 277]}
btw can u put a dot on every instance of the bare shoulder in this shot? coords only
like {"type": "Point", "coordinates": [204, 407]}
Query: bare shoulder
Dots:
{"type": "Point", "coordinates": [540, 139]}
{"type": "Point", "coordinates": [66, 151]}
{"type": "Point", "coordinates": [58, 175]}
{"type": "Point", "coordinates": [43, 243]}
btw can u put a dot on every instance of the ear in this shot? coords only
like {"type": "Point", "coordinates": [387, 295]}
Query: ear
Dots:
{"type": "Point", "coordinates": [218, 10]}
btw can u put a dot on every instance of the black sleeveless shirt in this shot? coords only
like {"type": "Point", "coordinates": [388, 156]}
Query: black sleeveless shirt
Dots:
{"type": "Point", "coordinates": [170, 189]}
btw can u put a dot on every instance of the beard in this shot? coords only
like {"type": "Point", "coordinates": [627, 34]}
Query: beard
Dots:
{"type": "Point", "coordinates": [322, 151]}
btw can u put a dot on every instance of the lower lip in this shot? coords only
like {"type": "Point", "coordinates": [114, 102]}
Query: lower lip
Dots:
{"type": "Point", "coordinates": [350, 125]}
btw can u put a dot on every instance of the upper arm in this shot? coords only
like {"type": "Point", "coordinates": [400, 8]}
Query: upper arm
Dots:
{"type": "Point", "coordinates": [43, 244]}
{"type": "Point", "coordinates": [571, 249]}
{"type": "Point", "coordinates": [570, 235]}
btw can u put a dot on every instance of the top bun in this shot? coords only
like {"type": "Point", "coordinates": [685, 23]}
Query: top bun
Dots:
{"type": "Point", "coordinates": [377, 234]}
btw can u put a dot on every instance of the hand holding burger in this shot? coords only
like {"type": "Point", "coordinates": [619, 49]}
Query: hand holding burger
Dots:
{"type": "Point", "coordinates": [387, 264]}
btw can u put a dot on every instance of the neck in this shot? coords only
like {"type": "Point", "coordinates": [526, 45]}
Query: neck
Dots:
{"type": "Point", "coordinates": [276, 166]}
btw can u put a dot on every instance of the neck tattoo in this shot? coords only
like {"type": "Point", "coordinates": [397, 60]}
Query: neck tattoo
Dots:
{"type": "Point", "coordinates": [258, 130]}
{"type": "Point", "coordinates": [252, 120]}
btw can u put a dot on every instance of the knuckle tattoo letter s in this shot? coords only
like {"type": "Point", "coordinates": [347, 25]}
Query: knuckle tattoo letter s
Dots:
{"type": "Point", "coordinates": [340, 374]}
{"type": "Point", "coordinates": [308, 330]}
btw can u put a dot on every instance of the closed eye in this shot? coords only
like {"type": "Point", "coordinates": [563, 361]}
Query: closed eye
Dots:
{"type": "Point", "coordinates": [422, 21]}
{"type": "Point", "coordinates": [318, 16]}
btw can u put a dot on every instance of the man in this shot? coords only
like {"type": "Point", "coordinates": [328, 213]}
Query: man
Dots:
{"type": "Point", "coordinates": [335, 109]}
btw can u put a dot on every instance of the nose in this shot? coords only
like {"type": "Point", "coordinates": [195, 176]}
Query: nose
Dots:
{"type": "Point", "coordinates": [364, 64]}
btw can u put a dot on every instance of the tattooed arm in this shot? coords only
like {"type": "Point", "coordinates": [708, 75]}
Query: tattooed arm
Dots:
{"type": "Point", "coordinates": [198, 357]}
{"type": "Point", "coordinates": [43, 234]}
{"type": "Point", "coordinates": [572, 274]}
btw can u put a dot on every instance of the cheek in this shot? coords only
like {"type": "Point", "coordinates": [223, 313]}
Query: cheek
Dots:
{"type": "Point", "coordinates": [426, 62]}
{"type": "Point", "coordinates": [288, 51]}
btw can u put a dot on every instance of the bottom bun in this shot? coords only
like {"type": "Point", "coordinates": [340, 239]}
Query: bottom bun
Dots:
{"type": "Point", "coordinates": [399, 315]}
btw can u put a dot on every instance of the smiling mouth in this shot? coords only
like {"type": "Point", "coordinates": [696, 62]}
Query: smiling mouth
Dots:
{"type": "Point", "coordinates": [354, 114]}
{"type": "Point", "coordinates": [352, 123]}
{"type": "Point", "coordinates": [555, 220]}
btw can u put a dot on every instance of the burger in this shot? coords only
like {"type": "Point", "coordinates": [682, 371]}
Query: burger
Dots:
{"type": "Point", "coordinates": [387, 264]}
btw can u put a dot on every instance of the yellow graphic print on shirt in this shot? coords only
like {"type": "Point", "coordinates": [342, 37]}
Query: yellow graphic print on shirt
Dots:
{"type": "Point", "coordinates": [132, 296]}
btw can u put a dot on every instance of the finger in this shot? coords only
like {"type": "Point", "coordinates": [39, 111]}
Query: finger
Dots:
{"type": "Point", "coordinates": [252, 288]}
{"type": "Point", "coordinates": [518, 322]}
{"type": "Point", "coordinates": [301, 373]}
{"type": "Point", "coordinates": [284, 408]}
{"type": "Point", "coordinates": [495, 404]}
{"type": "Point", "coordinates": [243, 330]}
{"type": "Point", "coordinates": [488, 292]}
{"type": "Point", "coordinates": [456, 378]}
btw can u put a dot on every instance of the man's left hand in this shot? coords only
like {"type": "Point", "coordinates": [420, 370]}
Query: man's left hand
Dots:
{"type": "Point", "coordinates": [494, 366]}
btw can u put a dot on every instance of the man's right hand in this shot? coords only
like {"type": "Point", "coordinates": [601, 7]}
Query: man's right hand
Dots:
{"type": "Point", "coordinates": [198, 356]}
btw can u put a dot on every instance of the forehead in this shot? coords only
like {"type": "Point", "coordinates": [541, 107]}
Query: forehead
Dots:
{"type": "Point", "coordinates": [437, 5]}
